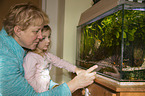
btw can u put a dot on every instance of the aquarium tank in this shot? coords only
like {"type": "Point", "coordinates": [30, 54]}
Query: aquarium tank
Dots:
{"type": "Point", "coordinates": [115, 41]}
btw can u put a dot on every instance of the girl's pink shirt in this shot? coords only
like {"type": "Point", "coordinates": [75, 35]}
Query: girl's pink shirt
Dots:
{"type": "Point", "coordinates": [37, 69]}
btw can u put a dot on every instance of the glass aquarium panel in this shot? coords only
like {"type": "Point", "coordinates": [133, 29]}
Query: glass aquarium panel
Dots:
{"type": "Point", "coordinates": [115, 41]}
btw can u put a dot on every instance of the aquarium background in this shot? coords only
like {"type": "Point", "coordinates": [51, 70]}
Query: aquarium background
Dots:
{"type": "Point", "coordinates": [115, 41]}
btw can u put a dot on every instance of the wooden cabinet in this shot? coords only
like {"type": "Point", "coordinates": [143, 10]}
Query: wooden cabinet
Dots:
{"type": "Point", "coordinates": [104, 87]}
{"type": "Point", "coordinates": [97, 90]}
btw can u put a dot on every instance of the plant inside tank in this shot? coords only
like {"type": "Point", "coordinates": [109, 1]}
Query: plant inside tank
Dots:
{"type": "Point", "coordinates": [106, 34]}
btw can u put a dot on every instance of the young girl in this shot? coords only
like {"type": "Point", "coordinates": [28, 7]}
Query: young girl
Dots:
{"type": "Point", "coordinates": [38, 63]}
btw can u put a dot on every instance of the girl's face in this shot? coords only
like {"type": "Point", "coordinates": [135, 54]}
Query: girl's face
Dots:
{"type": "Point", "coordinates": [45, 41]}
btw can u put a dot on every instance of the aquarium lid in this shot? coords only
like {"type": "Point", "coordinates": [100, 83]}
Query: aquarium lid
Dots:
{"type": "Point", "coordinates": [99, 8]}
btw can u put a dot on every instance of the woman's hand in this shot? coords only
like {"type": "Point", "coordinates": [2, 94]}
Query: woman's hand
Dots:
{"type": "Point", "coordinates": [79, 70]}
{"type": "Point", "coordinates": [83, 79]}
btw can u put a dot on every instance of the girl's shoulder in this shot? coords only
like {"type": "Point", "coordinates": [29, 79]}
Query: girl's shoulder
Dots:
{"type": "Point", "coordinates": [31, 56]}
{"type": "Point", "coordinates": [34, 55]}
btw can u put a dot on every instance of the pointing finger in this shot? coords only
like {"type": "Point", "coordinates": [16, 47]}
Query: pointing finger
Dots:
{"type": "Point", "coordinates": [92, 68]}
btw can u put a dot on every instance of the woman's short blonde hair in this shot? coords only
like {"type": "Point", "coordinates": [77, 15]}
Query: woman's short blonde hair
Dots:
{"type": "Point", "coordinates": [24, 15]}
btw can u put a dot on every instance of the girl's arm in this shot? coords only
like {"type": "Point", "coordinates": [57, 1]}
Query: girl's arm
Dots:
{"type": "Point", "coordinates": [56, 61]}
{"type": "Point", "coordinates": [64, 64]}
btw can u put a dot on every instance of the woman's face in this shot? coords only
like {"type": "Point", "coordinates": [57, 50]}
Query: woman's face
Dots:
{"type": "Point", "coordinates": [30, 37]}
{"type": "Point", "coordinates": [45, 41]}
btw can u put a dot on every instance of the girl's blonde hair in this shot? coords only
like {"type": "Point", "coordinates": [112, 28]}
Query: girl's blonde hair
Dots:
{"type": "Point", "coordinates": [24, 15]}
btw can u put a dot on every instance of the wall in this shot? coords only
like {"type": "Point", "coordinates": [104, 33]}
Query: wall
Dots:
{"type": "Point", "coordinates": [51, 9]}
{"type": "Point", "coordinates": [6, 4]}
{"type": "Point", "coordinates": [73, 10]}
